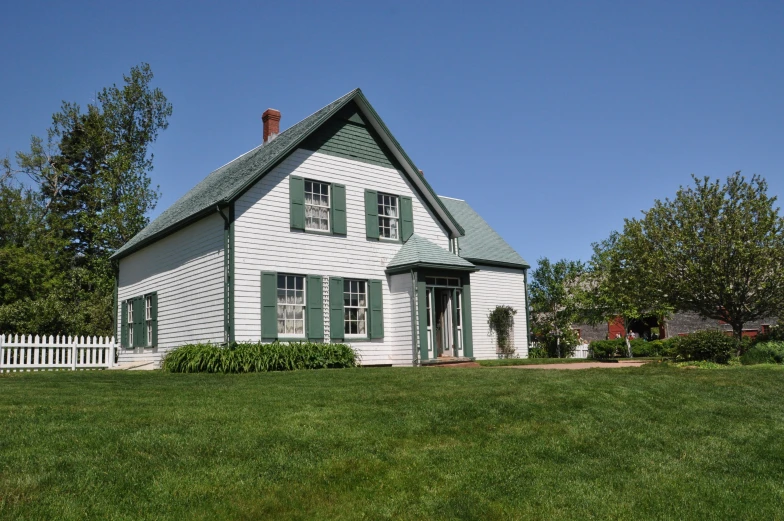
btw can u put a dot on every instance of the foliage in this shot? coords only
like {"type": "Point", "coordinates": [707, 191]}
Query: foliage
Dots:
{"type": "Point", "coordinates": [770, 352]}
{"type": "Point", "coordinates": [258, 357]}
{"type": "Point", "coordinates": [70, 201]}
{"type": "Point", "coordinates": [614, 290]}
{"type": "Point", "coordinates": [776, 334]}
{"type": "Point", "coordinates": [712, 346]}
{"type": "Point", "coordinates": [500, 322]}
{"type": "Point", "coordinates": [617, 348]}
{"type": "Point", "coordinates": [716, 249]}
{"type": "Point", "coordinates": [555, 297]}
{"type": "Point", "coordinates": [536, 352]}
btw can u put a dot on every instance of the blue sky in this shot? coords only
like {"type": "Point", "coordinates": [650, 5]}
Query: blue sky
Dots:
{"type": "Point", "coordinates": [555, 120]}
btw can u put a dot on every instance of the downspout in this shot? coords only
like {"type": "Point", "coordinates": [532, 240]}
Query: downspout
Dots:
{"type": "Point", "coordinates": [527, 311]}
{"type": "Point", "coordinates": [414, 317]}
{"type": "Point", "coordinates": [226, 282]}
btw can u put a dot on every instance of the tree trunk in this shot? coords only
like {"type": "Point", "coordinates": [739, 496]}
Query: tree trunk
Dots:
{"type": "Point", "coordinates": [737, 332]}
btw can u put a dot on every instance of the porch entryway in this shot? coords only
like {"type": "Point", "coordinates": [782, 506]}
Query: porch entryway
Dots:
{"type": "Point", "coordinates": [444, 297]}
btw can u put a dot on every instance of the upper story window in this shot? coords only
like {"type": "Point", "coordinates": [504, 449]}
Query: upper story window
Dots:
{"type": "Point", "coordinates": [355, 307]}
{"type": "Point", "coordinates": [316, 206]}
{"type": "Point", "coordinates": [388, 216]}
{"type": "Point", "coordinates": [291, 305]}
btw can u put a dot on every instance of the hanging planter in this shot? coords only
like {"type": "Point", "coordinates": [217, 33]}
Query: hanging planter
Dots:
{"type": "Point", "coordinates": [501, 323]}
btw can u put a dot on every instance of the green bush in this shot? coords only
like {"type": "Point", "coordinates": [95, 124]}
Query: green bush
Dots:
{"type": "Point", "coordinates": [776, 334]}
{"type": "Point", "coordinates": [537, 352]}
{"type": "Point", "coordinates": [608, 348]}
{"type": "Point", "coordinates": [712, 346]}
{"type": "Point", "coordinates": [258, 357]}
{"type": "Point", "coordinates": [764, 353]}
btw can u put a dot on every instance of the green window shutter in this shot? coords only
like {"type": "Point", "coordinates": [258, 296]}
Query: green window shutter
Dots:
{"type": "Point", "coordinates": [154, 313]}
{"type": "Point", "coordinates": [406, 218]}
{"type": "Point", "coordinates": [297, 202]}
{"type": "Point", "coordinates": [336, 310]}
{"type": "Point", "coordinates": [315, 302]}
{"type": "Point", "coordinates": [339, 209]}
{"type": "Point", "coordinates": [376, 309]}
{"type": "Point", "coordinates": [468, 339]}
{"type": "Point", "coordinates": [124, 326]}
{"type": "Point", "coordinates": [269, 305]}
{"type": "Point", "coordinates": [422, 306]}
{"type": "Point", "coordinates": [371, 214]}
{"type": "Point", "coordinates": [138, 322]}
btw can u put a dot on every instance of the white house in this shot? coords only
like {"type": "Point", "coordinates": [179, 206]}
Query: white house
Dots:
{"type": "Point", "coordinates": [325, 232]}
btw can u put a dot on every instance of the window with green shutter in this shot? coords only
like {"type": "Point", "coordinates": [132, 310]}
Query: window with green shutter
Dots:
{"type": "Point", "coordinates": [151, 319]}
{"type": "Point", "coordinates": [339, 209]}
{"type": "Point", "coordinates": [124, 340]}
{"type": "Point", "coordinates": [138, 322]}
{"type": "Point", "coordinates": [406, 218]}
{"type": "Point", "coordinates": [297, 202]}
{"type": "Point", "coordinates": [315, 312]}
{"type": "Point", "coordinates": [371, 214]}
{"type": "Point", "coordinates": [336, 310]}
{"type": "Point", "coordinates": [376, 309]}
{"type": "Point", "coordinates": [269, 305]}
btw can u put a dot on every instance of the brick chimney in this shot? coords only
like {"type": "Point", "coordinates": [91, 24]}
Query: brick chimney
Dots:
{"type": "Point", "coordinates": [271, 120]}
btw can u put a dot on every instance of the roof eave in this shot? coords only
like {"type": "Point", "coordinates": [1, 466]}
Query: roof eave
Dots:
{"type": "Point", "coordinates": [428, 265]}
{"type": "Point", "coordinates": [501, 264]}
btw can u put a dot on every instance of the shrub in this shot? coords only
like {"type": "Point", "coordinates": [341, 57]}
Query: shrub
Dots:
{"type": "Point", "coordinates": [258, 357]}
{"type": "Point", "coordinates": [776, 334]}
{"type": "Point", "coordinates": [537, 352]}
{"type": "Point", "coordinates": [764, 353]}
{"type": "Point", "coordinates": [712, 346]}
{"type": "Point", "coordinates": [607, 348]}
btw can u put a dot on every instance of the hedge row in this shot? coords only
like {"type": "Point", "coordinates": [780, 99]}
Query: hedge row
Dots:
{"type": "Point", "coordinates": [713, 346]}
{"type": "Point", "coordinates": [258, 357]}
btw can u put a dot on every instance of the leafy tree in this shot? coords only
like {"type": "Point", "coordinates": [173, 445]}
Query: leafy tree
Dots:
{"type": "Point", "coordinates": [90, 193]}
{"type": "Point", "coordinates": [615, 287]}
{"type": "Point", "coordinates": [555, 296]}
{"type": "Point", "coordinates": [716, 249]}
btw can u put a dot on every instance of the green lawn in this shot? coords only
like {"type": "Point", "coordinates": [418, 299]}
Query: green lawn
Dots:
{"type": "Point", "coordinates": [431, 443]}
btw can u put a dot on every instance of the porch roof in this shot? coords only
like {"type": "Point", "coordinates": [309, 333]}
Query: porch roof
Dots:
{"type": "Point", "coordinates": [419, 252]}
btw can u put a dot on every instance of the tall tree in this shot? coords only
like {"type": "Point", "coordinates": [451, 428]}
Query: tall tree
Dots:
{"type": "Point", "coordinates": [716, 249]}
{"type": "Point", "coordinates": [615, 288]}
{"type": "Point", "coordinates": [555, 295]}
{"type": "Point", "coordinates": [91, 192]}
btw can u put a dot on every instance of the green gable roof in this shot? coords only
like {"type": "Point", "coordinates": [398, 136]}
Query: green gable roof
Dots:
{"type": "Point", "coordinates": [481, 244]}
{"type": "Point", "coordinates": [419, 252]}
{"type": "Point", "coordinates": [225, 184]}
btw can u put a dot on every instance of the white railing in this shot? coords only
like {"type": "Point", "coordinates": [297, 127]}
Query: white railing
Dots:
{"type": "Point", "coordinates": [55, 352]}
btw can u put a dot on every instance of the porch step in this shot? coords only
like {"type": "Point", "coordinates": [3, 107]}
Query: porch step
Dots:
{"type": "Point", "coordinates": [450, 361]}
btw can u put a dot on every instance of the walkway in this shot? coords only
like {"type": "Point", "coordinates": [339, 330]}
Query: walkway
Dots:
{"type": "Point", "coordinates": [578, 365]}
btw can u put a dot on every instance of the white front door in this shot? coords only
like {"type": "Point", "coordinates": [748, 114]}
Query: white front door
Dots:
{"type": "Point", "coordinates": [445, 323]}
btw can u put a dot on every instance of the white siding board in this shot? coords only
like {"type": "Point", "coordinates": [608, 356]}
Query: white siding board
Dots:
{"type": "Point", "coordinates": [186, 270]}
{"type": "Point", "coordinates": [265, 242]}
{"type": "Point", "coordinates": [490, 287]}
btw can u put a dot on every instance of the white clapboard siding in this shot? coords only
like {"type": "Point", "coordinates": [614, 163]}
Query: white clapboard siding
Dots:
{"type": "Point", "coordinates": [265, 242]}
{"type": "Point", "coordinates": [186, 270]}
{"type": "Point", "coordinates": [491, 287]}
{"type": "Point", "coordinates": [40, 353]}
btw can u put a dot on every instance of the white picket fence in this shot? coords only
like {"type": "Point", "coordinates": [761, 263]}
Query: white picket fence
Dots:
{"type": "Point", "coordinates": [581, 351]}
{"type": "Point", "coordinates": [55, 352]}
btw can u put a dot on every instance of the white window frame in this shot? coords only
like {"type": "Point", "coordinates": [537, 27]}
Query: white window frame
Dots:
{"type": "Point", "coordinates": [291, 308]}
{"type": "Point", "coordinates": [348, 307]}
{"type": "Point", "coordinates": [129, 321]}
{"type": "Point", "coordinates": [387, 220]}
{"type": "Point", "coordinates": [459, 321]}
{"type": "Point", "coordinates": [312, 206]}
{"type": "Point", "coordinates": [431, 319]}
{"type": "Point", "coordinates": [148, 318]}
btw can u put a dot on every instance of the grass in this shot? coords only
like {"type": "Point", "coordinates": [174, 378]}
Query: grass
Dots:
{"type": "Point", "coordinates": [652, 442]}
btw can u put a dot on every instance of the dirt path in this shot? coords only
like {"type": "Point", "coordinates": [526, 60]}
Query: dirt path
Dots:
{"type": "Point", "coordinates": [577, 365]}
